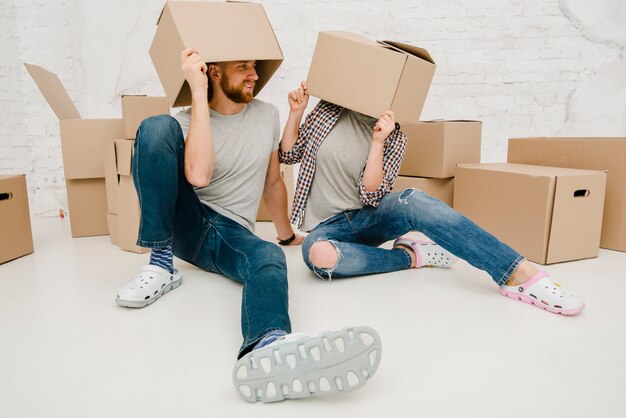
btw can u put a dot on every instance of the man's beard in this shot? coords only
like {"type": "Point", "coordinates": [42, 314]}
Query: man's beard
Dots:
{"type": "Point", "coordinates": [235, 93]}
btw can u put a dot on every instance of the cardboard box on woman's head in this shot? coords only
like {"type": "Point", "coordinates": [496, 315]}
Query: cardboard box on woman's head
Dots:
{"type": "Point", "coordinates": [370, 77]}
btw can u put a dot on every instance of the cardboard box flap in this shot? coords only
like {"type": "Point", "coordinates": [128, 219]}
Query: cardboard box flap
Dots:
{"type": "Point", "coordinates": [53, 91]}
{"type": "Point", "coordinates": [183, 24]}
{"type": "Point", "coordinates": [409, 49]}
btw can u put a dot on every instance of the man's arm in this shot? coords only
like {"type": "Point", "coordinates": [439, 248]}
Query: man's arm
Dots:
{"type": "Point", "coordinates": [199, 151]}
{"type": "Point", "coordinates": [275, 198]}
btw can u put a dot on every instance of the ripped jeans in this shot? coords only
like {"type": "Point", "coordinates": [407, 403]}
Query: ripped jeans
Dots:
{"type": "Point", "coordinates": [356, 235]}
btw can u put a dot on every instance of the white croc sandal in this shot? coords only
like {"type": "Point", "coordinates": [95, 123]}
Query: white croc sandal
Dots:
{"type": "Point", "coordinates": [427, 253]}
{"type": "Point", "coordinates": [545, 294]}
{"type": "Point", "coordinates": [151, 283]}
{"type": "Point", "coordinates": [298, 365]}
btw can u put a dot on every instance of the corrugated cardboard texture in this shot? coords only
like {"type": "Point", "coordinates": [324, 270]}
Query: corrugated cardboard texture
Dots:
{"type": "Point", "coordinates": [435, 148]}
{"type": "Point", "coordinates": [286, 171]}
{"type": "Point", "coordinates": [370, 77]}
{"type": "Point", "coordinates": [534, 209]}
{"type": "Point", "coordinates": [442, 189]}
{"type": "Point", "coordinates": [591, 154]}
{"type": "Point", "coordinates": [16, 238]}
{"type": "Point", "coordinates": [137, 108]}
{"type": "Point", "coordinates": [219, 31]}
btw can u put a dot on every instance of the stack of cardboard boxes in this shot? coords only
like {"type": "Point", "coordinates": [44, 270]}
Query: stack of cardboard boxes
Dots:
{"type": "Point", "coordinates": [96, 206]}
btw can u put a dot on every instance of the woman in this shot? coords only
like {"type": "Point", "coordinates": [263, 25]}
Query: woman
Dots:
{"type": "Point", "coordinates": [344, 199]}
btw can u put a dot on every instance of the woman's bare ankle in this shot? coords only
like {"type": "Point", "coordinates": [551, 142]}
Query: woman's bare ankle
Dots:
{"type": "Point", "coordinates": [524, 272]}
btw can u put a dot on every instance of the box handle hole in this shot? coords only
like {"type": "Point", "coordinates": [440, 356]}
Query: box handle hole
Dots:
{"type": "Point", "coordinates": [581, 193]}
{"type": "Point", "coordinates": [6, 196]}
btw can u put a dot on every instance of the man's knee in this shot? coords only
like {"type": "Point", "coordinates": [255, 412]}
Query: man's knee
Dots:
{"type": "Point", "coordinates": [158, 130]}
{"type": "Point", "coordinates": [323, 255]}
{"type": "Point", "coordinates": [270, 253]}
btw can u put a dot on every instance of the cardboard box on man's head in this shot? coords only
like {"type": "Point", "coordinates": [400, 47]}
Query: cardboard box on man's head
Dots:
{"type": "Point", "coordinates": [219, 31]}
{"type": "Point", "coordinates": [370, 77]}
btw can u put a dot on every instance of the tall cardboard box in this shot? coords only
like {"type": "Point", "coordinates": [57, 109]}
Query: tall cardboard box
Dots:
{"type": "Point", "coordinates": [547, 214]}
{"type": "Point", "coordinates": [16, 238]}
{"type": "Point", "coordinates": [434, 148]}
{"type": "Point", "coordinates": [591, 154]}
{"type": "Point", "coordinates": [286, 171]}
{"type": "Point", "coordinates": [81, 145]}
{"type": "Point", "coordinates": [442, 189]}
{"type": "Point", "coordinates": [370, 77]}
{"type": "Point", "coordinates": [137, 108]}
{"type": "Point", "coordinates": [123, 204]}
{"type": "Point", "coordinates": [219, 31]}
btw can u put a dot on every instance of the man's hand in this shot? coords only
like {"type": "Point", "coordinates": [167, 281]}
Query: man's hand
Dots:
{"type": "Point", "coordinates": [195, 69]}
{"type": "Point", "coordinates": [384, 126]}
{"type": "Point", "coordinates": [298, 98]}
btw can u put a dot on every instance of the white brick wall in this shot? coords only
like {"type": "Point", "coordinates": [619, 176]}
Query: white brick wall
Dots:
{"type": "Point", "coordinates": [521, 66]}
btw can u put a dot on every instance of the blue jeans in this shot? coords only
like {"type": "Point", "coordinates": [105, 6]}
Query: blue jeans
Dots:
{"type": "Point", "coordinates": [356, 235]}
{"type": "Point", "coordinates": [172, 214]}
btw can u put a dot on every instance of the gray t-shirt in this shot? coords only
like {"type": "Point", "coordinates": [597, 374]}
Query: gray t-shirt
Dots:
{"type": "Point", "coordinates": [243, 144]}
{"type": "Point", "coordinates": [340, 159]}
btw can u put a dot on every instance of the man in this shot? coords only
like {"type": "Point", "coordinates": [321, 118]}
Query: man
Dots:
{"type": "Point", "coordinates": [199, 199]}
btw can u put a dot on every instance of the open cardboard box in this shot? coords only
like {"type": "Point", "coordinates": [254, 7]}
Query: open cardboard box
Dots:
{"type": "Point", "coordinates": [434, 148]}
{"type": "Point", "coordinates": [16, 238]}
{"type": "Point", "coordinates": [591, 154]}
{"type": "Point", "coordinates": [370, 77]}
{"type": "Point", "coordinates": [81, 145]}
{"type": "Point", "coordinates": [547, 214]}
{"type": "Point", "coordinates": [219, 31]}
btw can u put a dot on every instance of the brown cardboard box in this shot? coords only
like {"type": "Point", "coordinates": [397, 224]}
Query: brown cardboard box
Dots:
{"type": "Point", "coordinates": [219, 31]}
{"type": "Point", "coordinates": [370, 77]}
{"type": "Point", "coordinates": [435, 148]}
{"type": "Point", "coordinates": [16, 238]}
{"type": "Point", "coordinates": [137, 108]}
{"type": "Point", "coordinates": [286, 172]}
{"type": "Point", "coordinates": [123, 205]}
{"type": "Point", "coordinates": [547, 214]}
{"type": "Point", "coordinates": [591, 154]}
{"type": "Point", "coordinates": [442, 189]}
{"type": "Point", "coordinates": [81, 145]}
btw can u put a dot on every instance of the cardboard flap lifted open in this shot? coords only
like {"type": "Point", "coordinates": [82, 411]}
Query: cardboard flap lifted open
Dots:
{"type": "Point", "coordinates": [219, 31]}
{"type": "Point", "coordinates": [54, 92]}
{"type": "Point", "coordinates": [409, 49]}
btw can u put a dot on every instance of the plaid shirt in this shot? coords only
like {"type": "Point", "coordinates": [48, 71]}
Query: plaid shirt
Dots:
{"type": "Point", "coordinates": [312, 133]}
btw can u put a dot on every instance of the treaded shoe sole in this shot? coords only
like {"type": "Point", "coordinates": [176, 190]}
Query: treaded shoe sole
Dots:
{"type": "Point", "coordinates": [329, 363]}
{"type": "Point", "coordinates": [143, 303]}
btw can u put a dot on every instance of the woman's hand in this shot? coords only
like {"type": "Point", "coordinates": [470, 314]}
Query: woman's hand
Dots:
{"type": "Point", "coordinates": [298, 98]}
{"type": "Point", "coordinates": [384, 126]}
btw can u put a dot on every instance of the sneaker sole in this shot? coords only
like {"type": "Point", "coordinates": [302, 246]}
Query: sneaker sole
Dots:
{"type": "Point", "coordinates": [144, 303]}
{"type": "Point", "coordinates": [330, 363]}
{"type": "Point", "coordinates": [540, 305]}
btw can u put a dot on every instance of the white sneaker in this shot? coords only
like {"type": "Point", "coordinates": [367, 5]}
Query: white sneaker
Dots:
{"type": "Point", "coordinates": [427, 253]}
{"type": "Point", "coordinates": [150, 284]}
{"type": "Point", "coordinates": [298, 365]}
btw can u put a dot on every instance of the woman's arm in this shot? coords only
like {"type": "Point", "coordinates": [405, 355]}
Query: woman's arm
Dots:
{"type": "Point", "coordinates": [291, 146]}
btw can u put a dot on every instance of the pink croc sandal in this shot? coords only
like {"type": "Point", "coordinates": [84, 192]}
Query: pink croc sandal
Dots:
{"type": "Point", "coordinates": [427, 253]}
{"type": "Point", "coordinates": [545, 294]}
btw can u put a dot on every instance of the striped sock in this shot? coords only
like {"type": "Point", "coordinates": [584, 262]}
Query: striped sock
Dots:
{"type": "Point", "coordinates": [269, 338]}
{"type": "Point", "coordinates": [163, 258]}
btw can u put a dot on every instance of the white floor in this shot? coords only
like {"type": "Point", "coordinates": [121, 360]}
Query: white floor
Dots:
{"type": "Point", "coordinates": [452, 346]}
